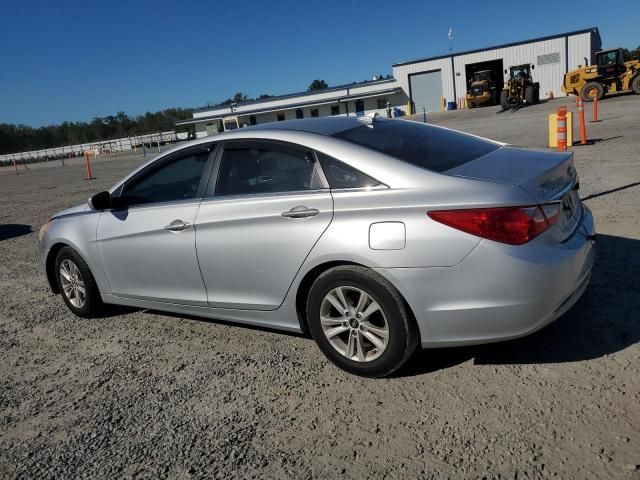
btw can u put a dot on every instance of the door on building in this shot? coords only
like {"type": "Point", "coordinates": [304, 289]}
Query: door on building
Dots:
{"type": "Point", "coordinates": [495, 66]}
{"type": "Point", "coordinates": [425, 89]}
{"type": "Point", "coordinates": [359, 108]}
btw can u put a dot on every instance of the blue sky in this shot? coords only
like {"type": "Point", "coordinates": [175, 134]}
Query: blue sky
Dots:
{"type": "Point", "coordinates": [75, 60]}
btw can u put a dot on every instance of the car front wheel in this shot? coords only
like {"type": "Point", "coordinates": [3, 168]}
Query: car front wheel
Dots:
{"type": "Point", "coordinates": [360, 321]}
{"type": "Point", "coordinates": [77, 285]}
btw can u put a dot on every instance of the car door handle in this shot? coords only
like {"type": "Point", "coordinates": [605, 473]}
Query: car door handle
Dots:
{"type": "Point", "coordinates": [177, 226]}
{"type": "Point", "coordinates": [301, 211]}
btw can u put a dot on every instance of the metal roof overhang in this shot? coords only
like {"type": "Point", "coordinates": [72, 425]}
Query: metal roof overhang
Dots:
{"type": "Point", "coordinates": [369, 95]}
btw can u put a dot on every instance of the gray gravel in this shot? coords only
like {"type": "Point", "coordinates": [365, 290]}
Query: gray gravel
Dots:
{"type": "Point", "coordinates": [148, 395]}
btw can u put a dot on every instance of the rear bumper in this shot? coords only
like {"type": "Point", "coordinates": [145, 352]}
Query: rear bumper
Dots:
{"type": "Point", "coordinates": [498, 292]}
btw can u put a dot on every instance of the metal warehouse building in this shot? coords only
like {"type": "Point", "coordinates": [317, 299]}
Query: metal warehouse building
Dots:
{"type": "Point", "coordinates": [427, 81]}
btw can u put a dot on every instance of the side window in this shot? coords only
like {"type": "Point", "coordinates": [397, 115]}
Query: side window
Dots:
{"type": "Point", "coordinates": [248, 171]}
{"type": "Point", "coordinates": [177, 180]}
{"type": "Point", "coordinates": [341, 175]}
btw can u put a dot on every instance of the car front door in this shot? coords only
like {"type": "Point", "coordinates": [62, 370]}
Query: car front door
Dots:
{"type": "Point", "coordinates": [262, 217]}
{"type": "Point", "coordinates": [147, 247]}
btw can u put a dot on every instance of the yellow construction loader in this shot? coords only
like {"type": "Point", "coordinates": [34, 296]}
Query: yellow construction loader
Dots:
{"type": "Point", "coordinates": [610, 74]}
{"type": "Point", "coordinates": [483, 90]}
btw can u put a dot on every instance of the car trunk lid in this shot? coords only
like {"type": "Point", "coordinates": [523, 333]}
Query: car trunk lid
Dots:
{"type": "Point", "coordinates": [547, 177]}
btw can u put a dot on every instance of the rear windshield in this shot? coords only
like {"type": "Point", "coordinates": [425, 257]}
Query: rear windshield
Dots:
{"type": "Point", "coordinates": [423, 145]}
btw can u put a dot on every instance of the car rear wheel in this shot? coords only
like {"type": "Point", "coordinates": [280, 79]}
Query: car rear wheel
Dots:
{"type": "Point", "coordinates": [77, 285]}
{"type": "Point", "coordinates": [360, 321]}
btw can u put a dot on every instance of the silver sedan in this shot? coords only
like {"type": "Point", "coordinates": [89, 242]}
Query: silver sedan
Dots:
{"type": "Point", "coordinates": [374, 236]}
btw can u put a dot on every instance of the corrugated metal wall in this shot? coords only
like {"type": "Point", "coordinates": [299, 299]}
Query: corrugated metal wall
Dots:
{"type": "Point", "coordinates": [549, 76]}
{"type": "Point", "coordinates": [569, 52]}
{"type": "Point", "coordinates": [401, 74]}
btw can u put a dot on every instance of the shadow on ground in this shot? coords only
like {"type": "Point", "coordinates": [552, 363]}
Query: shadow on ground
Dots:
{"type": "Point", "coordinates": [613, 190]}
{"type": "Point", "coordinates": [604, 321]}
{"type": "Point", "coordinates": [12, 230]}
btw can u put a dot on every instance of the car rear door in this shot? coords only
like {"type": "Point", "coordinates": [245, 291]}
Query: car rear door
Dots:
{"type": "Point", "coordinates": [147, 247]}
{"type": "Point", "coordinates": [267, 205]}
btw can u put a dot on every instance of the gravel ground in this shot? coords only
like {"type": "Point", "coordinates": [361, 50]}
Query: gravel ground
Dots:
{"type": "Point", "coordinates": [149, 395]}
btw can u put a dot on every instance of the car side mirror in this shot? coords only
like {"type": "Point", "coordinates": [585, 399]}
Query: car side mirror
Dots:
{"type": "Point", "coordinates": [100, 201]}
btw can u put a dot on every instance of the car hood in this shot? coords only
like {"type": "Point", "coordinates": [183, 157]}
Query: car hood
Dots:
{"type": "Point", "coordinates": [71, 211]}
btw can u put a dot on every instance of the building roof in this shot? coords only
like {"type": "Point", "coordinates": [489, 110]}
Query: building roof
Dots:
{"type": "Point", "coordinates": [301, 94]}
{"type": "Point", "coordinates": [505, 45]}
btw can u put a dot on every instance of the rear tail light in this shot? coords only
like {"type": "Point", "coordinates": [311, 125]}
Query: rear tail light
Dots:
{"type": "Point", "coordinates": [512, 225]}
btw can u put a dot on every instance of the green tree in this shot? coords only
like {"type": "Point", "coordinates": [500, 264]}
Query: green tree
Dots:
{"type": "Point", "coordinates": [20, 138]}
{"type": "Point", "coordinates": [631, 54]}
{"type": "Point", "coordinates": [318, 85]}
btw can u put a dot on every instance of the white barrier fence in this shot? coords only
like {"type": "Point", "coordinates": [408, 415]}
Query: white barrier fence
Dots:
{"type": "Point", "coordinates": [124, 144]}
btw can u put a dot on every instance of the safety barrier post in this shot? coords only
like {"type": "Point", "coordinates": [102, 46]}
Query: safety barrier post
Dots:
{"type": "Point", "coordinates": [562, 128]}
{"type": "Point", "coordinates": [594, 94]}
{"type": "Point", "coordinates": [88, 165]}
{"type": "Point", "coordinates": [15, 166]}
{"type": "Point", "coordinates": [583, 133]}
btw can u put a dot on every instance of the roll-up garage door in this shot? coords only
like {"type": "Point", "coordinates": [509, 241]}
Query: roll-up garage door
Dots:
{"type": "Point", "coordinates": [426, 90]}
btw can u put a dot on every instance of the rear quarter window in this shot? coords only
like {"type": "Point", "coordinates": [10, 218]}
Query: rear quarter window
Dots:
{"type": "Point", "coordinates": [425, 146]}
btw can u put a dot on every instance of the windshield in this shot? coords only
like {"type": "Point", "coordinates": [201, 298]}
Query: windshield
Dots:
{"type": "Point", "coordinates": [519, 72]}
{"type": "Point", "coordinates": [426, 146]}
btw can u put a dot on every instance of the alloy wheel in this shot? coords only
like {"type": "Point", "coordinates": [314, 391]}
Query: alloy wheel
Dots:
{"type": "Point", "coordinates": [354, 324]}
{"type": "Point", "coordinates": [72, 283]}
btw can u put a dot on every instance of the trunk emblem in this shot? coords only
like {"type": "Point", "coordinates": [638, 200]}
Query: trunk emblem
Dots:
{"type": "Point", "coordinates": [547, 186]}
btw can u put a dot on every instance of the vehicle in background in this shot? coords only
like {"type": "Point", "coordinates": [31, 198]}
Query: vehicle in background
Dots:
{"type": "Point", "coordinates": [482, 90]}
{"type": "Point", "coordinates": [610, 74]}
{"type": "Point", "coordinates": [520, 89]}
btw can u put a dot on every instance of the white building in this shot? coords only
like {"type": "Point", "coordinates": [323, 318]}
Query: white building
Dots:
{"type": "Point", "coordinates": [427, 81]}
{"type": "Point", "coordinates": [347, 100]}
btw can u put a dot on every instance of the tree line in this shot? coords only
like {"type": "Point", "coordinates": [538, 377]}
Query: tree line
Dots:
{"type": "Point", "coordinates": [21, 138]}
{"type": "Point", "coordinates": [631, 54]}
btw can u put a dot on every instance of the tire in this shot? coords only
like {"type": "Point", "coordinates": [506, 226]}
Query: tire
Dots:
{"type": "Point", "coordinates": [504, 100]}
{"type": "Point", "coordinates": [389, 323]}
{"type": "Point", "coordinates": [537, 94]}
{"type": "Point", "coordinates": [530, 95]}
{"type": "Point", "coordinates": [72, 274]}
{"type": "Point", "coordinates": [584, 93]}
{"type": "Point", "coordinates": [635, 84]}
{"type": "Point", "coordinates": [471, 105]}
